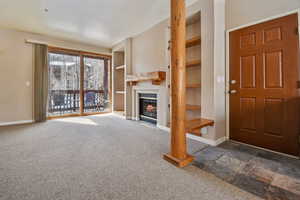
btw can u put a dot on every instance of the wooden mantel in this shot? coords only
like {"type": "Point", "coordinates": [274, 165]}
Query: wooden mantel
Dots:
{"type": "Point", "coordinates": [178, 154]}
{"type": "Point", "coordinates": [155, 77]}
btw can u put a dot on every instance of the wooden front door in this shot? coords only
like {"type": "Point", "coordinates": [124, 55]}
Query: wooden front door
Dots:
{"type": "Point", "coordinates": [264, 74]}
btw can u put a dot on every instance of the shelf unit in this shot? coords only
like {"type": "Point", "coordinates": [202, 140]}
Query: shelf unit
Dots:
{"type": "Point", "coordinates": [119, 81]}
{"type": "Point", "coordinates": [193, 85]}
{"type": "Point", "coordinates": [194, 122]}
{"type": "Point", "coordinates": [193, 69]}
{"type": "Point", "coordinates": [122, 68]}
{"type": "Point", "coordinates": [194, 41]}
{"type": "Point", "coordinates": [193, 63]}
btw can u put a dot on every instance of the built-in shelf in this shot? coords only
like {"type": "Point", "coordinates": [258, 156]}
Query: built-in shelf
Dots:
{"type": "Point", "coordinates": [193, 41]}
{"type": "Point", "coordinates": [193, 107]}
{"type": "Point", "coordinates": [155, 77]}
{"type": "Point", "coordinates": [192, 20]}
{"type": "Point", "coordinates": [193, 85]}
{"type": "Point", "coordinates": [193, 63]}
{"type": "Point", "coordinates": [120, 67]}
{"type": "Point", "coordinates": [118, 79]}
{"type": "Point", "coordinates": [193, 46]}
{"type": "Point", "coordinates": [196, 132]}
{"type": "Point", "coordinates": [194, 124]}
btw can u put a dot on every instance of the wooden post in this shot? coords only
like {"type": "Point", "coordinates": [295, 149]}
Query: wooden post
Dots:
{"type": "Point", "coordinates": [178, 155]}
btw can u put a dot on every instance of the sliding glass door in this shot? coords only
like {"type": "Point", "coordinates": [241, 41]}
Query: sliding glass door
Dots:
{"type": "Point", "coordinates": [95, 87]}
{"type": "Point", "coordinates": [64, 84]}
{"type": "Point", "coordinates": [78, 84]}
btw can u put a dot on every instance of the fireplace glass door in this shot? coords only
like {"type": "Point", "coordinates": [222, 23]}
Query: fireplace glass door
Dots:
{"type": "Point", "coordinates": [148, 107]}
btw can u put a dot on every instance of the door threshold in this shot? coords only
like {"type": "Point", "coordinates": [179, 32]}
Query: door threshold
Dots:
{"type": "Point", "coordinates": [276, 152]}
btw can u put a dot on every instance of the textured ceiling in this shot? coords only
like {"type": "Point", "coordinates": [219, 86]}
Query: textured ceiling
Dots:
{"type": "Point", "coordinates": [97, 22]}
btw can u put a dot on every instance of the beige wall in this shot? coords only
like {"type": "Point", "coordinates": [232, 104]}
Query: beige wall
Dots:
{"type": "Point", "coordinates": [219, 69]}
{"type": "Point", "coordinates": [16, 68]}
{"type": "Point", "coordinates": [241, 12]}
{"type": "Point", "coordinates": [149, 49]}
{"type": "Point", "coordinates": [149, 54]}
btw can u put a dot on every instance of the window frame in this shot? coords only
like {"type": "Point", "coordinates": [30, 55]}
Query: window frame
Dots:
{"type": "Point", "coordinates": [85, 54]}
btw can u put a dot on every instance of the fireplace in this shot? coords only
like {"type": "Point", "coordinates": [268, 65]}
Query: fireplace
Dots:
{"type": "Point", "coordinates": [148, 107]}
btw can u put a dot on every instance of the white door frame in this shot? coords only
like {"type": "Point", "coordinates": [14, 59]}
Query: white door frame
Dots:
{"type": "Point", "coordinates": [297, 11]}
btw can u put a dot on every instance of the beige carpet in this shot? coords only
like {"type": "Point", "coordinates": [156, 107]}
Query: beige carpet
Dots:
{"type": "Point", "coordinates": [98, 158]}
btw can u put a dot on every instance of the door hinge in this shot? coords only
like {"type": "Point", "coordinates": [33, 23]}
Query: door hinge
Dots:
{"type": "Point", "coordinates": [297, 30]}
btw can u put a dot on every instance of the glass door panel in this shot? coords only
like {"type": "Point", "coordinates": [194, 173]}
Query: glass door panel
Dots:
{"type": "Point", "coordinates": [95, 85]}
{"type": "Point", "coordinates": [64, 84]}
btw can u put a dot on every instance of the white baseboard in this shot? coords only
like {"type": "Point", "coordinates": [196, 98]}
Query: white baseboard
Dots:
{"type": "Point", "coordinates": [163, 128]}
{"type": "Point", "coordinates": [16, 123]}
{"type": "Point", "coordinates": [200, 139]}
{"type": "Point", "coordinates": [207, 141]}
{"type": "Point", "coordinates": [117, 115]}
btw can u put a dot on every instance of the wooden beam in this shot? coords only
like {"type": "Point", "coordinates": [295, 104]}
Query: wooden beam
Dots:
{"type": "Point", "coordinates": [178, 154]}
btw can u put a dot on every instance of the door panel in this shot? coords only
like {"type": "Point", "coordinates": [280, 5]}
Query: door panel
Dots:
{"type": "Point", "coordinates": [273, 69]}
{"type": "Point", "coordinates": [264, 62]}
{"type": "Point", "coordinates": [248, 69]}
{"type": "Point", "coordinates": [95, 87]}
{"type": "Point", "coordinates": [273, 114]}
{"type": "Point", "coordinates": [64, 84]}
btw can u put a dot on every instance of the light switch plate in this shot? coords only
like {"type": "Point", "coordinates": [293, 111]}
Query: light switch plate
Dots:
{"type": "Point", "coordinates": [220, 79]}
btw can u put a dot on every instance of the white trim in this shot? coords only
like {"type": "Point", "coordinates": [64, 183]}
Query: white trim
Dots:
{"type": "Point", "coordinates": [17, 123]}
{"type": "Point", "coordinates": [118, 115]}
{"type": "Point", "coordinates": [207, 141]}
{"type": "Point", "coordinates": [163, 128]}
{"type": "Point", "coordinates": [199, 139]}
{"type": "Point", "coordinates": [297, 11]}
{"type": "Point", "coordinates": [35, 42]}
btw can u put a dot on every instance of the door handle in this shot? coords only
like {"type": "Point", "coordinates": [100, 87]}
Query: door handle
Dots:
{"type": "Point", "coordinates": [232, 82]}
{"type": "Point", "coordinates": [232, 92]}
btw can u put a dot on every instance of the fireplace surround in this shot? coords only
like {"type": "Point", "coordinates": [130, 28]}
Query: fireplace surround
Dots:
{"type": "Point", "coordinates": [161, 93]}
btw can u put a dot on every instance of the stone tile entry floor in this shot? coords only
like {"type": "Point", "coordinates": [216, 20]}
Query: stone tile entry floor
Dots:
{"type": "Point", "coordinates": [268, 175]}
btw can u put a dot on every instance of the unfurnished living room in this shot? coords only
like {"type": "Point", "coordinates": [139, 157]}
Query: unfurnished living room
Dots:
{"type": "Point", "coordinates": [149, 100]}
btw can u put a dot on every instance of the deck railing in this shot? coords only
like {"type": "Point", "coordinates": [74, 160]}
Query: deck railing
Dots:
{"type": "Point", "coordinates": [61, 102]}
